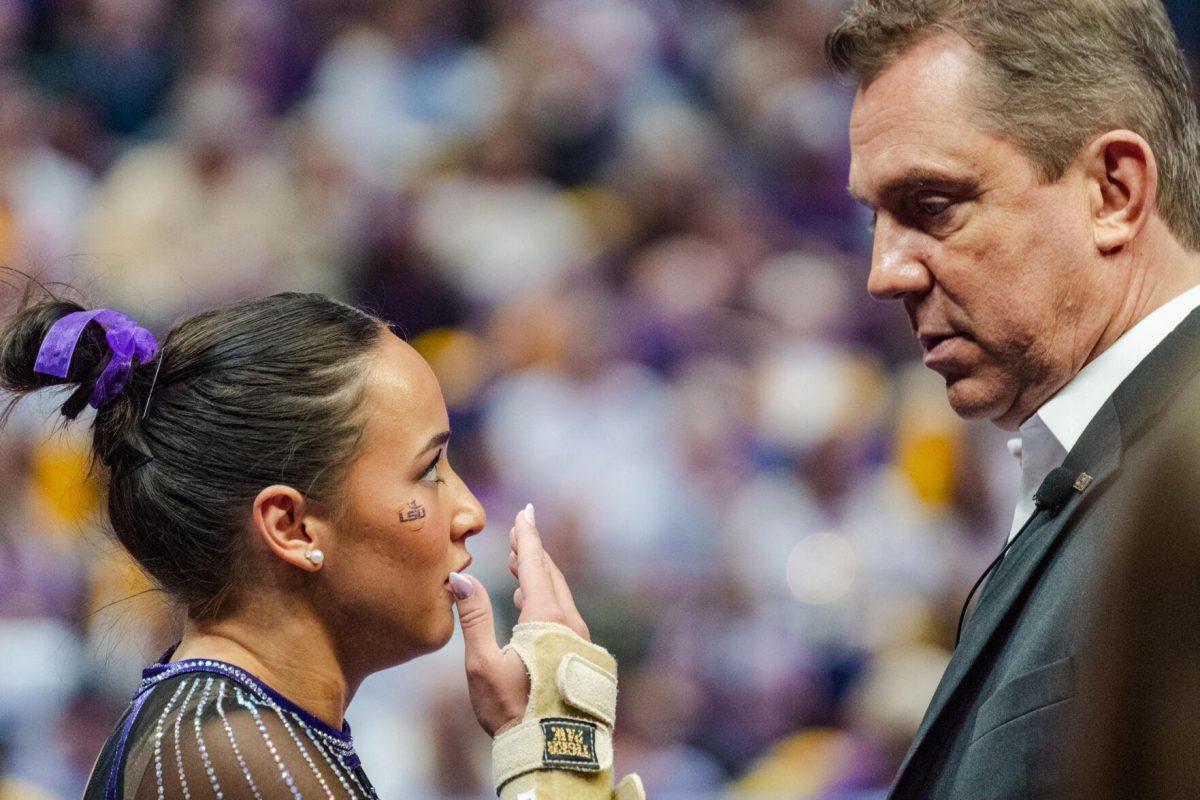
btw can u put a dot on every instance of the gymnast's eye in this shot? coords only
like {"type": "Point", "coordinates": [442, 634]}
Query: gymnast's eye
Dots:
{"type": "Point", "coordinates": [430, 475]}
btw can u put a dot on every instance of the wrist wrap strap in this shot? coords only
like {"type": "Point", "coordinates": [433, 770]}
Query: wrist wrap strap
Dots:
{"type": "Point", "coordinates": [572, 705]}
{"type": "Point", "coordinates": [550, 743]}
{"type": "Point", "coordinates": [567, 727]}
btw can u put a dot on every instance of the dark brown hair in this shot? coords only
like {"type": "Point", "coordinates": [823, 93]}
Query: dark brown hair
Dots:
{"type": "Point", "coordinates": [258, 393]}
{"type": "Point", "coordinates": [1054, 74]}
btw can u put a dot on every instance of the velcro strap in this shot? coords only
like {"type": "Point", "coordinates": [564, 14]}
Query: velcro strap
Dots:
{"type": "Point", "coordinates": [588, 687]}
{"type": "Point", "coordinates": [630, 788]}
{"type": "Point", "coordinates": [550, 743]}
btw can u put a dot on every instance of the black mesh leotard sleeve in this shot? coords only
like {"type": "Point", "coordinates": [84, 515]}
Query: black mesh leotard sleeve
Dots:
{"type": "Point", "coordinates": [203, 735]}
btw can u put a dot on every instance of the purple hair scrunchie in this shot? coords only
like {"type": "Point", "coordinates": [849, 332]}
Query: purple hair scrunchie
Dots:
{"type": "Point", "coordinates": [125, 338]}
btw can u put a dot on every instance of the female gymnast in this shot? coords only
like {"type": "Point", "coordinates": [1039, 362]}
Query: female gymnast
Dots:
{"type": "Point", "coordinates": [280, 468]}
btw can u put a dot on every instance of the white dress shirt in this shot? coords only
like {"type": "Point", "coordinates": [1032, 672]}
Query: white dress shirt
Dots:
{"type": "Point", "coordinates": [1047, 436]}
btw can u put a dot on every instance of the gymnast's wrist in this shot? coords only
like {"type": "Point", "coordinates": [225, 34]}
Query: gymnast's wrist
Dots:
{"type": "Point", "coordinates": [568, 722]}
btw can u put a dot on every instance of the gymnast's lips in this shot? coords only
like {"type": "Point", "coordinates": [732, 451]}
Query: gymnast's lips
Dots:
{"type": "Point", "coordinates": [461, 569]}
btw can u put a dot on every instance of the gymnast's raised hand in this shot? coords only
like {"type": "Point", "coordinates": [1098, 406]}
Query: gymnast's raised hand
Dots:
{"type": "Point", "coordinates": [498, 680]}
{"type": "Point", "coordinates": [549, 697]}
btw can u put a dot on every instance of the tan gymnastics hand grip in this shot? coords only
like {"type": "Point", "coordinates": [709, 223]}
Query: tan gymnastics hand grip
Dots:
{"type": "Point", "coordinates": [562, 747]}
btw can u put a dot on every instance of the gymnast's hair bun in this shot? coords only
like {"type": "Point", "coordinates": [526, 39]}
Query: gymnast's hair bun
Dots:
{"type": "Point", "coordinates": [20, 340]}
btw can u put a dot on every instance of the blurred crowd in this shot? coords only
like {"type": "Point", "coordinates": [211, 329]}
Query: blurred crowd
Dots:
{"type": "Point", "coordinates": [620, 233]}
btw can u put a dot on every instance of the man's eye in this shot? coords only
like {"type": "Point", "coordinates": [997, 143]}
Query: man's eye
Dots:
{"type": "Point", "coordinates": [932, 207]}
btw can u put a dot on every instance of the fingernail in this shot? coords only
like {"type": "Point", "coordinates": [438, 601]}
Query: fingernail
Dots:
{"type": "Point", "coordinates": [461, 587]}
{"type": "Point", "coordinates": [529, 514]}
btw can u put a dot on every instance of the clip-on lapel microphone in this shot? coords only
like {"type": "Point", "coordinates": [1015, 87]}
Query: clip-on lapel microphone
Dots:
{"type": "Point", "coordinates": [1051, 497]}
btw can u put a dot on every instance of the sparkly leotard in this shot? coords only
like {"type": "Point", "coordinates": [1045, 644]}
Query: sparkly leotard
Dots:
{"type": "Point", "coordinates": [207, 729]}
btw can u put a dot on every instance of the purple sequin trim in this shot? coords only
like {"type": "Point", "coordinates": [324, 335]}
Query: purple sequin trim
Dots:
{"type": "Point", "coordinates": [110, 792]}
{"type": "Point", "coordinates": [160, 672]}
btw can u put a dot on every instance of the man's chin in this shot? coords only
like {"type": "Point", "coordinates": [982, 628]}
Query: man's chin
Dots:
{"type": "Point", "coordinates": [972, 398]}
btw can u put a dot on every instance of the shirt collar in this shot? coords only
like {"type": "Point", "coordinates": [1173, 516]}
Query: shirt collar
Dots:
{"type": "Point", "coordinates": [1069, 412]}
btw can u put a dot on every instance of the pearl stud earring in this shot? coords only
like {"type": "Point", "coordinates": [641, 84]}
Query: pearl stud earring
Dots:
{"type": "Point", "coordinates": [315, 557]}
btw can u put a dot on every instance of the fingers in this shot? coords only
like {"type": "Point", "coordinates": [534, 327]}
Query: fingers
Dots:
{"type": "Point", "coordinates": [533, 572]}
{"type": "Point", "coordinates": [550, 598]}
{"type": "Point", "coordinates": [475, 619]}
{"type": "Point", "coordinates": [566, 602]}
{"type": "Point", "coordinates": [496, 681]}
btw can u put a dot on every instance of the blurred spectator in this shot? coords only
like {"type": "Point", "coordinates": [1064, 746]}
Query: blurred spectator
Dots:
{"type": "Point", "coordinates": [210, 215]}
{"type": "Point", "coordinates": [43, 193]}
{"type": "Point", "coordinates": [114, 60]}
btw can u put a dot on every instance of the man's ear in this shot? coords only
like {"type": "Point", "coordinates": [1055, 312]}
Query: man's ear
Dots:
{"type": "Point", "coordinates": [1123, 174]}
{"type": "Point", "coordinates": [281, 518]}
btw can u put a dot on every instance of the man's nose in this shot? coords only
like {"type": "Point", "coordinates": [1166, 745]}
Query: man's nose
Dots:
{"type": "Point", "coordinates": [898, 265]}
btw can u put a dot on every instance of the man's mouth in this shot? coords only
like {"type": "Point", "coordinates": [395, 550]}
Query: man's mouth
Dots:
{"type": "Point", "coordinates": [929, 341]}
{"type": "Point", "coordinates": [940, 346]}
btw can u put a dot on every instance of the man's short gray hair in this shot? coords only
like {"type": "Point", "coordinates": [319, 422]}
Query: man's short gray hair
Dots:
{"type": "Point", "coordinates": [1056, 73]}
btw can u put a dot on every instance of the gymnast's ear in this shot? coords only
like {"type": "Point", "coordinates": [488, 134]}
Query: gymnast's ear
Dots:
{"type": "Point", "coordinates": [1122, 176]}
{"type": "Point", "coordinates": [280, 518]}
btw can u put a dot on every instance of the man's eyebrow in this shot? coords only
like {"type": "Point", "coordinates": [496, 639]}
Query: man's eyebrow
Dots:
{"type": "Point", "coordinates": [437, 440]}
{"type": "Point", "coordinates": [915, 180]}
{"type": "Point", "coordinates": [856, 197]}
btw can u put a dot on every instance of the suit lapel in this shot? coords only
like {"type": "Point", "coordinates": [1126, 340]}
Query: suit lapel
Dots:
{"type": "Point", "coordinates": [1137, 401]}
{"type": "Point", "coordinates": [998, 604]}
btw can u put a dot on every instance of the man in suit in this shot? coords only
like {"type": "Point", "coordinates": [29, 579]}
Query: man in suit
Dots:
{"type": "Point", "coordinates": [1034, 171]}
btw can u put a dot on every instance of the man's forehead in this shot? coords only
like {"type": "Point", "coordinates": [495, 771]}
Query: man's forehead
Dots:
{"type": "Point", "coordinates": [915, 123]}
{"type": "Point", "coordinates": [934, 72]}
{"type": "Point", "coordinates": [911, 157]}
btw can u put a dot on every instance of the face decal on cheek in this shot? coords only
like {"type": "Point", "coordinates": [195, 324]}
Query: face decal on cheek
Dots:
{"type": "Point", "coordinates": [412, 512]}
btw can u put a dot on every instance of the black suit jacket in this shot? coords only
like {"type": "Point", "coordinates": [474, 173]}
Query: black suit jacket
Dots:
{"type": "Point", "coordinates": [1002, 722]}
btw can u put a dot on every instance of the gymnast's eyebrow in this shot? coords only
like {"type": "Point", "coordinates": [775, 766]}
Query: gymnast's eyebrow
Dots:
{"type": "Point", "coordinates": [438, 440]}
